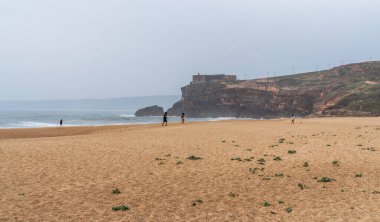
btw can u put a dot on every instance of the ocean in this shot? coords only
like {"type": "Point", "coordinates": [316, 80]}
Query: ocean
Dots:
{"type": "Point", "coordinates": [51, 118]}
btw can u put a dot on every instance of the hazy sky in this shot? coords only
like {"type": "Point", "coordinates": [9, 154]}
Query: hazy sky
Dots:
{"type": "Point", "coordinates": [63, 49]}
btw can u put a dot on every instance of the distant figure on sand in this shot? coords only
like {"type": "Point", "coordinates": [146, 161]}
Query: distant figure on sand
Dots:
{"type": "Point", "coordinates": [183, 118]}
{"type": "Point", "coordinates": [165, 119]}
{"type": "Point", "coordinates": [293, 118]}
{"type": "Point", "coordinates": [61, 122]}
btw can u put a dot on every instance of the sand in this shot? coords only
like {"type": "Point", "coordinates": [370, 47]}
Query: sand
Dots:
{"type": "Point", "coordinates": [69, 173]}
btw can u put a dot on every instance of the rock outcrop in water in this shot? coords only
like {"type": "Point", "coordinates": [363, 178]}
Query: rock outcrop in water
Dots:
{"type": "Point", "coordinates": [349, 90]}
{"type": "Point", "coordinates": [150, 111]}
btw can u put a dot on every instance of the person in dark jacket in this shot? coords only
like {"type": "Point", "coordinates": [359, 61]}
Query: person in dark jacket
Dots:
{"type": "Point", "coordinates": [183, 118]}
{"type": "Point", "coordinates": [165, 119]}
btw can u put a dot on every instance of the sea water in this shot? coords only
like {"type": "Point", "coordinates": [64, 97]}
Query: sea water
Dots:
{"type": "Point", "coordinates": [51, 118]}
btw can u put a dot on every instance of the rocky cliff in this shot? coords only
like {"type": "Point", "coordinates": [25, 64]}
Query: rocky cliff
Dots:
{"type": "Point", "coordinates": [349, 90]}
{"type": "Point", "coordinates": [150, 111]}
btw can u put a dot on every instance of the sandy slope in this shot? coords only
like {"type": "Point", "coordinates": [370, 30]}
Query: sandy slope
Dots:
{"type": "Point", "coordinates": [68, 174]}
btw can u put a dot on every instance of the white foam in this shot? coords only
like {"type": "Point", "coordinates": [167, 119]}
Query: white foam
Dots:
{"type": "Point", "coordinates": [221, 118]}
{"type": "Point", "coordinates": [28, 124]}
{"type": "Point", "coordinates": [127, 115]}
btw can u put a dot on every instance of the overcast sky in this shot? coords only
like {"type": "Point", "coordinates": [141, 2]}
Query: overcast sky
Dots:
{"type": "Point", "coordinates": [69, 49]}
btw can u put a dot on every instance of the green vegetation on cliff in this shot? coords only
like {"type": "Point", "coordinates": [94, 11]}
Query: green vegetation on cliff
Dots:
{"type": "Point", "coordinates": [349, 90]}
{"type": "Point", "coordinates": [353, 87]}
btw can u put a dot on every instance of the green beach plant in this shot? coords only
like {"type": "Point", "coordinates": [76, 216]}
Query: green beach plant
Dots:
{"type": "Point", "coordinates": [232, 194]}
{"type": "Point", "coordinates": [197, 201]}
{"type": "Point", "coordinates": [289, 209]}
{"type": "Point", "coordinates": [116, 191]}
{"type": "Point", "coordinates": [302, 186]}
{"type": "Point", "coordinates": [236, 158]}
{"type": "Point", "coordinates": [121, 208]}
{"type": "Point", "coordinates": [192, 157]}
{"type": "Point", "coordinates": [261, 161]}
{"type": "Point", "coordinates": [326, 179]}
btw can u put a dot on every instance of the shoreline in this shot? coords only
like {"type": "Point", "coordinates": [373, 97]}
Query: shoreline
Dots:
{"type": "Point", "coordinates": [210, 119]}
{"type": "Point", "coordinates": [57, 131]}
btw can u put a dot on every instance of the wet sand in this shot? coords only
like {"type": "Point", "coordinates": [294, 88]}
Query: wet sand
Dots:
{"type": "Point", "coordinates": [245, 173]}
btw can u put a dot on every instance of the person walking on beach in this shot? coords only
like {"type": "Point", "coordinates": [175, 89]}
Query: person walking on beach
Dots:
{"type": "Point", "coordinates": [165, 119]}
{"type": "Point", "coordinates": [293, 118]}
{"type": "Point", "coordinates": [183, 118]}
{"type": "Point", "coordinates": [61, 122]}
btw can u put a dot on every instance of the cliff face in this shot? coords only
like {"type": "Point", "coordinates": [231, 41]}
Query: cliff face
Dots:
{"type": "Point", "coordinates": [218, 100]}
{"type": "Point", "coordinates": [348, 90]}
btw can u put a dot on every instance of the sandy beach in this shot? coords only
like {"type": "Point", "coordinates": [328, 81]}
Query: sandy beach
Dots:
{"type": "Point", "coordinates": [325, 169]}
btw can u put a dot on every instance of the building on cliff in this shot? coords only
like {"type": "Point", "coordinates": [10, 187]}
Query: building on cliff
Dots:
{"type": "Point", "coordinates": [200, 78]}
